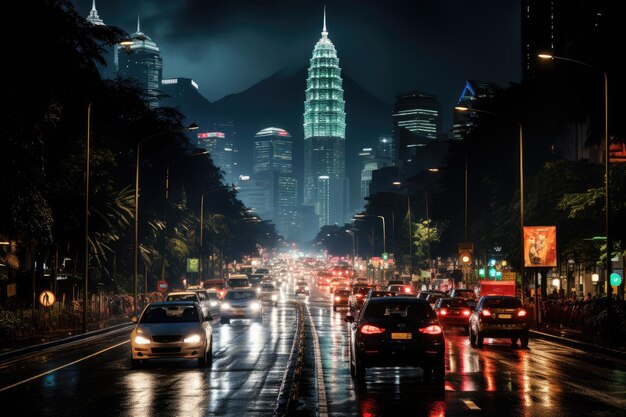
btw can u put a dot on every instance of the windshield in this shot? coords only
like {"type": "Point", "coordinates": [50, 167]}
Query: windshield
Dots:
{"type": "Point", "coordinates": [241, 295]}
{"type": "Point", "coordinates": [182, 297]}
{"type": "Point", "coordinates": [238, 282]}
{"type": "Point", "coordinates": [170, 314]}
{"type": "Point", "coordinates": [508, 302]}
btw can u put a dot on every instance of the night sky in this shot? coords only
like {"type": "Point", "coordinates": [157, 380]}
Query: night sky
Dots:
{"type": "Point", "coordinates": [388, 46]}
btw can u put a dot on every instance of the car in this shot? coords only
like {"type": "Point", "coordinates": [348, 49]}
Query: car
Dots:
{"type": "Point", "coordinates": [215, 301]}
{"type": "Point", "coordinates": [268, 293]}
{"type": "Point", "coordinates": [399, 331]}
{"type": "Point", "coordinates": [172, 329]}
{"type": "Point", "coordinates": [340, 298]}
{"type": "Point", "coordinates": [499, 316]}
{"type": "Point", "coordinates": [466, 294]}
{"type": "Point", "coordinates": [241, 304]}
{"type": "Point", "coordinates": [302, 287]}
{"type": "Point", "coordinates": [379, 293]}
{"type": "Point", "coordinates": [401, 289]}
{"type": "Point", "coordinates": [238, 281]}
{"type": "Point", "coordinates": [453, 312]}
{"type": "Point", "coordinates": [198, 296]}
{"type": "Point", "coordinates": [357, 297]}
{"type": "Point", "coordinates": [339, 283]}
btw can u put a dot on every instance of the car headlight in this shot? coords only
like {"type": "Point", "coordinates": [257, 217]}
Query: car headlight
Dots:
{"type": "Point", "coordinates": [306, 288]}
{"type": "Point", "coordinates": [274, 297]}
{"type": "Point", "coordinates": [225, 306]}
{"type": "Point", "coordinates": [141, 340]}
{"type": "Point", "coordinates": [194, 338]}
{"type": "Point", "coordinates": [255, 306]}
{"type": "Point", "coordinates": [213, 303]}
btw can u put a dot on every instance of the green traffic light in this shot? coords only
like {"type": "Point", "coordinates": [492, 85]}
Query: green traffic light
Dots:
{"type": "Point", "coordinates": [481, 272]}
{"type": "Point", "coordinates": [492, 272]}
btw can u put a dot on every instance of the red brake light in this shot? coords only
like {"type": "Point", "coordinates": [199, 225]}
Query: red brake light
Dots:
{"type": "Point", "coordinates": [337, 298]}
{"type": "Point", "coordinates": [521, 313]}
{"type": "Point", "coordinates": [407, 289]}
{"type": "Point", "coordinates": [359, 295]}
{"type": "Point", "coordinates": [433, 329]}
{"type": "Point", "coordinates": [466, 312]}
{"type": "Point", "coordinates": [443, 312]}
{"type": "Point", "coordinates": [369, 329]}
{"type": "Point", "coordinates": [486, 313]}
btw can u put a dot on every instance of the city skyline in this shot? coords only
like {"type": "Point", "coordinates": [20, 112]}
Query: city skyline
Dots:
{"type": "Point", "coordinates": [228, 49]}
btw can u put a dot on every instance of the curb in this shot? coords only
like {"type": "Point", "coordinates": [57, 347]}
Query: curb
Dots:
{"type": "Point", "coordinates": [588, 347]}
{"type": "Point", "coordinates": [42, 346]}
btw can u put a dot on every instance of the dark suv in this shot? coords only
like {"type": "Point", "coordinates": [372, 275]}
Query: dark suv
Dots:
{"type": "Point", "coordinates": [499, 316]}
{"type": "Point", "coordinates": [397, 331]}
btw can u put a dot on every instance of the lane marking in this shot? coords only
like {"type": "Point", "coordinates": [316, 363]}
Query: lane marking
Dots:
{"type": "Point", "coordinates": [321, 387]}
{"type": "Point", "coordinates": [63, 366]}
{"type": "Point", "coordinates": [470, 404]}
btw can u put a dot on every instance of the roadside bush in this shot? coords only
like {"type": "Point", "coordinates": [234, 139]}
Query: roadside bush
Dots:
{"type": "Point", "coordinates": [10, 324]}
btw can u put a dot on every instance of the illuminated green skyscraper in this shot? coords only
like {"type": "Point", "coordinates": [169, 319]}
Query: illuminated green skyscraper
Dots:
{"type": "Point", "coordinates": [324, 135]}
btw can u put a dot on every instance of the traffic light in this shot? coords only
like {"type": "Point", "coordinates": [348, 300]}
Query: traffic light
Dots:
{"type": "Point", "coordinates": [481, 272]}
{"type": "Point", "coordinates": [492, 272]}
{"type": "Point", "coordinates": [385, 256]}
{"type": "Point", "coordinates": [466, 258]}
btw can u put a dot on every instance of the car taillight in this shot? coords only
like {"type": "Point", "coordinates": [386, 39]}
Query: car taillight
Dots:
{"type": "Point", "coordinates": [369, 329]}
{"type": "Point", "coordinates": [407, 290]}
{"type": "Point", "coordinates": [359, 295]}
{"type": "Point", "coordinates": [466, 312]}
{"type": "Point", "coordinates": [337, 298]}
{"type": "Point", "coordinates": [486, 313]}
{"type": "Point", "coordinates": [433, 329]}
{"type": "Point", "coordinates": [443, 312]}
{"type": "Point", "coordinates": [521, 313]}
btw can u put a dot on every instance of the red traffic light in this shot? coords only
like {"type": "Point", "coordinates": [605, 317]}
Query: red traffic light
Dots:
{"type": "Point", "coordinates": [466, 258]}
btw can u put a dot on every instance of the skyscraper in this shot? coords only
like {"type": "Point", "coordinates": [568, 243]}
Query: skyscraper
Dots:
{"type": "Point", "coordinates": [141, 62]}
{"type": "Point", "coordinates": [473, 93]}
{"type": "Point", "coordinates": [325, 183]}
{"type": "Point", "coordinates": [418, 113]}
{"type": "Point", "coordinates": [273, 161]}
{"type": "Point", "coordinates": [220, 148]}
{"type": "Point", "coordinates": [108, 69]}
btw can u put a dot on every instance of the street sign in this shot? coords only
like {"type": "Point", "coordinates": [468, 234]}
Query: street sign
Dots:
{"type": "Point", "coordinates": [466, 247]}
{"type": "Point", "coordinates": [193, 265]}
{"type": "Point", "coordinates": [47, 298]}
{"type": "Point", "coordinates": [162, 286]}
{"type": "Point", "coordinates": [509, 276]}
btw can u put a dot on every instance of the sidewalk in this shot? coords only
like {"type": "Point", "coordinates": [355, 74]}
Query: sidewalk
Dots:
{"type": "Point", "coordinates": [576, 339]}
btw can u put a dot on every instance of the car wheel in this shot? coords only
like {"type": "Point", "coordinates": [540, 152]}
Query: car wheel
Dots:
{"type": "Point", "coordinates": [352, 367]}
{"type": "Point", "coordinates": [202, 361]}
{"type": "Point", "coordinates": [334, 308]}
{"type": "Point", "coordinates": [514, 341]}
{"type": "Point", "coordinates": [439, 373]}
{"type": "Point", "coordinates": [524, 340]}
{"type": "Point", "coordinates": [472, 337]}
{"type": "Point", "coordinates": [276, 304]}
{"type": "Point", "coordinates": [224, 320]}
{"type": "Point", "coordinates": [479, 339]}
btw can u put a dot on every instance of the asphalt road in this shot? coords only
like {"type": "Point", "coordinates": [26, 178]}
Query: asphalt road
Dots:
{"type": "Point", "coordinates": [92, 377]}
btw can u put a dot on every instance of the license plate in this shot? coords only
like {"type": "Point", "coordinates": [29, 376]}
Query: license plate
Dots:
{"type": "Point", "coordinates": [401, 336]}
{"type": "Point", "coordinates": [504, 316]}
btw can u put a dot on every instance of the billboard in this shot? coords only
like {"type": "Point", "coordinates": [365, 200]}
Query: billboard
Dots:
{"type": "Point", "coordinates": [539, 246]}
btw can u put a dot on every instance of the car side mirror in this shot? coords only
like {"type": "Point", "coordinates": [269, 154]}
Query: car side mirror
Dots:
{"type": "Point", "coordinates": [134, 319]}
{"type": "Point", "coordinates": [349, 319]}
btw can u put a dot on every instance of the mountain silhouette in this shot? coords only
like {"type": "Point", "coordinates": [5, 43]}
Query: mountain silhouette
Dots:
{"type": "Point", "coordinates": [278, 101]}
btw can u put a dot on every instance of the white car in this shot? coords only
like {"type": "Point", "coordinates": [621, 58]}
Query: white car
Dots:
{"type": "Point", "coordinates": [172, 329]}
{"type": "Point", "coordinates": [199, 297]}
{"type": "Point", "coordinates": [241, 304]}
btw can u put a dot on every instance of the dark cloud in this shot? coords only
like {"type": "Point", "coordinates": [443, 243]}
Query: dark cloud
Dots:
{"type": "Point", "coordinates": [388, 46]}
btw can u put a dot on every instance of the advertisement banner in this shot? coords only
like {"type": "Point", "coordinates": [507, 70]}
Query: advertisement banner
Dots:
{"type": "Point", "coordinates": [539, 246]}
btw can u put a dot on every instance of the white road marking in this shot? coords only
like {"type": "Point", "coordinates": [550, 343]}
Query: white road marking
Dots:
{"type": "Point", "coordinates": [63, 366]}
{"type": "Point", "coordinates": [321, 387]}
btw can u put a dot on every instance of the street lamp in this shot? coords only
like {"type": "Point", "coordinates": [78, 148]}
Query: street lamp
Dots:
{"type": "Point", "coordinates": [351, 233]}
{"type": "Point", "coordinates": [383, 225]}
{"type": "Point", "coordinates": [192, 126]}
{"type": "Point", "coordinates": [521, 178]}
{"type": "Point", "coordinates": [86, 278]}
{"type": "Point", "coordinates": [607, 219]}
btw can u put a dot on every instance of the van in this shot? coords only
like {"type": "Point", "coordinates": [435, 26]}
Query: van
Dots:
{"type": "Point", "coordinates": [238, 281]}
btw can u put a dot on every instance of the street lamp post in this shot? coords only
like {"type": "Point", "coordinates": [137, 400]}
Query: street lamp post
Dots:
{"type": "Point", "coordinates": [351, 233]}
{"type": "Point", "coordinates": [383, 225]}
{"type": "Point", "coordinates": [607, 200]}
{"type": "Point", "coordinates": [193, 126]}
{"type": "Point", "coordinates": [86, 277]}
{"type": "Point", "coordinates": [201, 272]}
{"type": "Point", "coordinates": [521, 183]}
